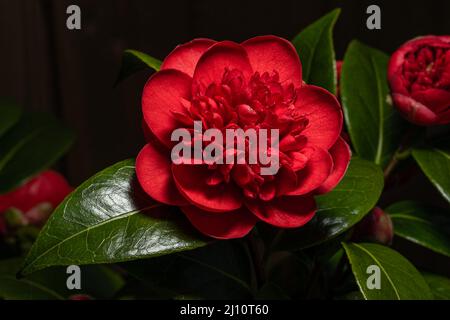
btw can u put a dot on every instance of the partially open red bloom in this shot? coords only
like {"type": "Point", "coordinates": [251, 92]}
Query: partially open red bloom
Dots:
{"type": "Point", "coordinates": [256, 84]}
{"type": "Point", "coordinates": [419, 76]}
{"type": "Point", "coordinates": [49, 188]}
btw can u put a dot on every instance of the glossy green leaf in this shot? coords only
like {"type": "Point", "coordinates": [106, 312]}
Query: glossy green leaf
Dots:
{"type": "Point", "coordinates": [34, 144]}
{"type": "Point", "coordinates": [399, 279]}
{"type": "Point", "coordinates": [316, 50]}
{"type": "Point", "coordinates": [218, 271]}
{"type": "Point", "coordinates": [435, 163]}
{"type": "Point", "coordinates": [109, 219]}
{"type": "Point", "coordinates": [439, 285]}
{"type": "Point", "coordinates": [134, 61]}
{"type": "Point", "coordinates": [427, 226]}
{"type": "Point", "coordinates": [375, 128]}
{"type": "Point", "coordinates": [97, 281]}
{"type": "Point", "coordinates": [9, 115]}
{"type": "Point", "coordinates": [340, 209]}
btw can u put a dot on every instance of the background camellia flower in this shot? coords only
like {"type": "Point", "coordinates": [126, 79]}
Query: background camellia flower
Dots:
{"type": "Point", "coordinates": [419, 77]}
{"type": "Point", "coordinates": [36, 199]}
{"type": "Point", "coordinates": [256, 84]}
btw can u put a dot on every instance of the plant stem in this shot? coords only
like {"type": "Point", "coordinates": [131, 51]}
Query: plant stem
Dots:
{"type": "Point", "coordinates": [402, 152]}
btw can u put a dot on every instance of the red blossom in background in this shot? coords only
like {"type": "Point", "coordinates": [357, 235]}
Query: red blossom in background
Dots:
{"type": "Point", "coordinates": [36, 198]}
{"type": "Point", "coordinates": [419, 76]}
{"type": "Point", "coordinates": [256, 84]}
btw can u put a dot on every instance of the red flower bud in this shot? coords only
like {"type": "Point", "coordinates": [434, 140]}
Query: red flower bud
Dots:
{"type": "Point", "coordinates": [419, 77]}
{"type": "Point", "coordinates": [375, 227]}
{"type": "Point", "coordinates": [37, 197]}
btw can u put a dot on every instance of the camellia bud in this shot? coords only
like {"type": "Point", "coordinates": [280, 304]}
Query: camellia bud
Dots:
{"type": "Point", "coordinates": [375, 227]}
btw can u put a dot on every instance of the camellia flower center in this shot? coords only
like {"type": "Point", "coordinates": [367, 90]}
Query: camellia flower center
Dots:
{"type": "Point", "coordinates": [261, 102]}
{"type": "Point", "coordinates": [427, 68]}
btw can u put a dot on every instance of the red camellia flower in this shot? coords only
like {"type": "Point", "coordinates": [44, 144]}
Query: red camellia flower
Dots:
{"type": "Point", "coordinates": [419, 76]}
{"type": "Point", "coordinates": [37, 197]}
{"type": "Point", "coordinates": [256, 84]}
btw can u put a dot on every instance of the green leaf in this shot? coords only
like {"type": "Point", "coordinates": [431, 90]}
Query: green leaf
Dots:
{"type": "Point", "coordinates": [109, 219]}
{"type": "Point", "coordinates": [340, 209]}
{"type": "Point", "coordinates": [435, 163]}
{"type": "Point", "coordinates": [134, 61]}
{"type": "Point", "coordinates": [374, 126]}
{"type": "Point", "coordinates": [32, 145]}
{"type": "Point", "coordinates": [316, 50]}
{"type": "Point", "coordinates": [97, 281]}
{"type": "Point", "coordinates": [439, 285]}
{"type": "Point", "coordinates": [13, 289]}
{"type": "Point", "coordinates": [9, 115]}
{"type": "Point", "coordinates": [427, 226]}
{"type": "Point", "coordinates": [218, 271]}
{"type": "Point", "coordinates": [399, 279]}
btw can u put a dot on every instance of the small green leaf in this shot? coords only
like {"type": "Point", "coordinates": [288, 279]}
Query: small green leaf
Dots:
{"type": "Point", "coordinates": [435, 163]}
{"type": "Point", "coordinates": [427, 226]}
{"type": "Point", "coordinates": [316, 50]}
{"type": "Point", "coordinates": [9, 115]}
{"type": "Point", "coordinates": [439, 285]}
{"type": "Point", "coordinates": [340, 209]}
{"type": "Point", "coordinates": [109, 219]}
{"type": "Point", "coordinates": [399, 279]}
{"type": "Point", "coordinates": [32, 145]}
{"type": "Point", "coordinates": [134, 61]}
{"type": "Point", "coordinates": [374, 126]}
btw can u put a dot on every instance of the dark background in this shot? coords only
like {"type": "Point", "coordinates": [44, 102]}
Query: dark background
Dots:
{"type": "Point", "coordinates": [71, 73]}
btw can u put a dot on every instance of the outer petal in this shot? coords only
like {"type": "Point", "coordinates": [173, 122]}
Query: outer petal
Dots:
{"type": "Point", "coordinates": [225, 55]}
{"type": "Point", "coordinates": [324, 113]}
{"type": "Point", "coordinates": [341, 154]}
{"type": "Point", "coordinates": [285, 212]}
{"type": "Point", "coordinates": [49, 186]}
{"type": "Point", "coordinates": [153, 170]}
{"type": "Point", "coordinates": [317, 170]}
{"type": "Point", "coordinates": [437, 100]}
{"type": "Point", "coordinates": [162, 95]}
{"type": "Point", "coordinates": [226, 225]}
{"type": "Point", "coordinates": [271, 53]}
{"type": "Point", "coordinates": [414, 111]}
{"type": "Point", "coordinates": [185, 56]}
{"type": "Point", "coordinates": [191, 181]}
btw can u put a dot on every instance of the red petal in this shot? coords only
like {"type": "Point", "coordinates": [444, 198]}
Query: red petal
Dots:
{"type": "Point", "coordinates": [317, 170]}
{"type": "Point", "coordinates": [226, 225]}
{"type": "Point", "coordinates": [222, 56]}
{"type": "Point", "coordinates": [414, 111]}
{"type": "Point", "coordinates": [192, 181]}
{"type": "Point", "coordinates": [341, 154]}
{"type": "Point", "coordinates": [162, 94]}
{"type": "Point", "coordinates": [271, 53]}
{"type": "Point", "coordinates": [49, 186]}
{"type": "Point", "coordinates": [324, 113]}
{"type": "Point", "coordinates": [437, 100]}
{"type": "Point", "coordinates": [285, 212]}
{"type": "Point", "coordinates": [153, 170]}
{"type": "Point", "coordinates": [185, 56]}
